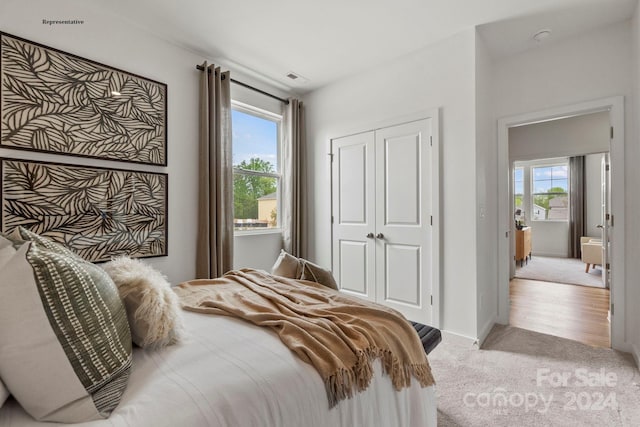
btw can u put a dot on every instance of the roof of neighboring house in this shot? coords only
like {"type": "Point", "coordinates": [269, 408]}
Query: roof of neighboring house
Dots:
{"type": "Point", "coordinates": [559, 202]}
{"type": "Point", "coordinates": [271, 196]}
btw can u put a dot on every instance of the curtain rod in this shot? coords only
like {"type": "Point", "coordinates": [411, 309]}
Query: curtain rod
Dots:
{"type": "Point", "coordinates": [285, 101]}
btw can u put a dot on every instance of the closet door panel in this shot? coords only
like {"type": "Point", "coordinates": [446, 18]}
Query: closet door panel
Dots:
{"type": "Point", "coordinates": [403, 206]}
{"type": "Point", "coordinates": [353, 214]}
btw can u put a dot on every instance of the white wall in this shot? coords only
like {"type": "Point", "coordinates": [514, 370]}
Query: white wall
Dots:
{"type": "Point", "coordinates": [571, 136]}
{"type": "Point", "coordinates": [256, 250]}
{"type": "Point", "coordinates": [441, 76]}
{"type": "Point", "coordinates": [592, 66]}
{"type": "Point", "coordinates": [487, 202]}
{"type": "Point", "coordinates": [111, 40]}
{"type": "Point", "coordinates": [633, 198]}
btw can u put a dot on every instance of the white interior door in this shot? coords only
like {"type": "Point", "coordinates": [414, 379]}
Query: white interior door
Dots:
{"type": "Point", "coordinates": [605, 174]}
{"type": "Point", "coordinates": [403, 209]}
{"type": "Point", "coordinates": [353, 214]}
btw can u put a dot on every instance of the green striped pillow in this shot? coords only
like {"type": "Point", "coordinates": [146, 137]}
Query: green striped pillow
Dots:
{"type": "Point", "coordinates": [65, 345]}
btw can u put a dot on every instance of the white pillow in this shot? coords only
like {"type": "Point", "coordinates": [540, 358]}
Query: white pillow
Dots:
{"type": "Point", "coordinates": [6, 252]}
{"type": "Point", "coordinates": [153, 309]}
{"type": "Point", "coordinates": [288, 266]}
{"type": "Point", "coordinates": [64, 337]}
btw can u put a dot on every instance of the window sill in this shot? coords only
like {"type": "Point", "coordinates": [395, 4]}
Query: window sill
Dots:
{"type": "Point", "coordinates": [244, 233]}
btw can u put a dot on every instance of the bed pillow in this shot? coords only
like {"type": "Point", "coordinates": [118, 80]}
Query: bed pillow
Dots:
{"type": "Point", "coordinates": [315, 273]}
{"type": "Point", "coordinates": [287, 265]}
{"type": "Point", "coordinates": [65, 346]}
{"type": "Point", "coordinates": [6, 253]}
{"type": "Point", "coordinates": [7, 250]}
{"type": "Point", "coordinates": [153, 309]}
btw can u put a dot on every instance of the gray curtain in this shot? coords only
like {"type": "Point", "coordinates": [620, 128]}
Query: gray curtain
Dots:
{"type": "Point", "coordinates": [576, 205]}
{"type": "Point", "coordinates": [214, 246]}
{"type": "Point", "coordinates": [294, 180]}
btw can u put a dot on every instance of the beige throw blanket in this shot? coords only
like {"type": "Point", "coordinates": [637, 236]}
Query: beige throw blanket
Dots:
{"type": "Point", "coordinates": [339, 335]}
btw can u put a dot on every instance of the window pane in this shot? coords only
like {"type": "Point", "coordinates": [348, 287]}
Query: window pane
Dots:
{"type": "Point", "coordinates": [541, 186]}
{"type": "Point", "coordinates": [255, 142]}
{"type": "Point", "coordinates": [548, 181]}
{"type": "Point", "coordinates": [518, 174]}
{"type": "Point", "coordinates": [559, 171]}
{"type": "Point", "coordinates": [255, 202]}
{"type": "Point", "coordinates": [541, 173]}
{"type": "Point", "coordinates": [559, 186]}
{"type": "Point", "coordinates": [519, 188]}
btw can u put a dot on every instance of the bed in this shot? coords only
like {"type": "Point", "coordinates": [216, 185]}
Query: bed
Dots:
{"type": "Point", "coordinates": [67, 327]}
{"type": "Point", "coordinates": [231, 373]}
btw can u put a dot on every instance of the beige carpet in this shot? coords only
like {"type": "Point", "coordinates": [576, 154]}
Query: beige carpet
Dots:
{"type": "Point", "coordinates": [560, 270]}
{"type": "Point", "coordinates": [516, 380]}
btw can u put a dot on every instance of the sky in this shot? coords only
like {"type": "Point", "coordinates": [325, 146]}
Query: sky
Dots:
{"type": "Point", "coordinates": [544, 178]}
{"type": "Point", "coordinates": [254, 137]}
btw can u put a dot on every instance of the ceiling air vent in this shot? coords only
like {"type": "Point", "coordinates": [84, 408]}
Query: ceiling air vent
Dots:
{"type": "Point", "coordinates": [295, 77]}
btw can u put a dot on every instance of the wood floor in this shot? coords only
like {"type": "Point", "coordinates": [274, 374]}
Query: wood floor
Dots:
{"type": "Point", "coordinates": [569, 311]}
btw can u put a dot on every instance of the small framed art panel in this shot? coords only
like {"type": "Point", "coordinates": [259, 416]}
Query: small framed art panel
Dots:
{"type": "Point", "coordinates": [96, 212]}
{"type": "Point", "coordinates": [53, 101]}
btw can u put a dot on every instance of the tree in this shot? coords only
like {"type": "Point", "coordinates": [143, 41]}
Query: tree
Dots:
{"type": "Point", "coordinates": [542, 200]}
{"type": "Point", "coordinates": [247, 189]}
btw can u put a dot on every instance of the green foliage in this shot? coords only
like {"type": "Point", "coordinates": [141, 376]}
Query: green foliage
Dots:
{"type": "Point", "coordinates": [542, 200]}
{"type": "Point", "coordinates": [247, 189]}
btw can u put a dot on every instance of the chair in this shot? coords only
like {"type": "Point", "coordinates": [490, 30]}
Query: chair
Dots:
{"type": "Point", "coordinates": [591, 251]}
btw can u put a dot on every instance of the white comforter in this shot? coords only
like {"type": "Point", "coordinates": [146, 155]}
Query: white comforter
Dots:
{"type": "Point", "coordinates": [231, 373]}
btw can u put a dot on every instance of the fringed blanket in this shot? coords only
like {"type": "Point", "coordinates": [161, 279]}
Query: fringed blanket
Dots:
{"type": "Point", "coordinates": [337, 334]}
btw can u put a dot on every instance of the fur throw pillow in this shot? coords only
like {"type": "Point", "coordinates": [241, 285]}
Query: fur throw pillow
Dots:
{"type": "Point", "coordinates": [153, 308]}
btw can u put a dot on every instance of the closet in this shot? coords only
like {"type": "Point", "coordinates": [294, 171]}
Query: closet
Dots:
{"type": "Point", "coordinates": [382, 213]}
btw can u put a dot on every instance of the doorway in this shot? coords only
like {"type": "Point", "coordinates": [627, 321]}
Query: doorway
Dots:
{"type": "Point", "coordinates": [613, 107]}
{"type": "Point", "coordinates": [561, 203]}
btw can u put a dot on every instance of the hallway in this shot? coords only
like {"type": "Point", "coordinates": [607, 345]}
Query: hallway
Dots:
{"type": "Point", "coordinates": [569, 311]}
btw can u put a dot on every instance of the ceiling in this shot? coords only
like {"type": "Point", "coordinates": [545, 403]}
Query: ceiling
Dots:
{"type": "Point", "coordinates": [323, 41]}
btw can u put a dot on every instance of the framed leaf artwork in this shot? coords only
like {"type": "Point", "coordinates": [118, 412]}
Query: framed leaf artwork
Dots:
{"type": "Point", "coordinates": [52, 101]}
{"type": "Point", "coordinates": [96, 212]}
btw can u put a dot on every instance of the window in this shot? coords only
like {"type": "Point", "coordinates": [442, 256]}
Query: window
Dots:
{"type": "Point", "coordinates": [256, 168]}
{"type": "Point", "coordinates": [518, 188]}
{"type": "Point", "coordinates": [550, 186]}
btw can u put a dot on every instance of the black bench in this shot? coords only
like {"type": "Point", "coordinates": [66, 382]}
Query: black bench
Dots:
{"type": "Point", "coordinates": [429, 336]}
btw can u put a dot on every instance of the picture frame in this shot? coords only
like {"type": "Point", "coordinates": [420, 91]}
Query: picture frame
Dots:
{"type": "Point", "coordinates": [98, 213]}
{"type": "Point", "coordinates": [57, 102]}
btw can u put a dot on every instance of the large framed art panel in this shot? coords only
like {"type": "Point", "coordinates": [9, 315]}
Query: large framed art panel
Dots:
{"type": "Point", "coordinates": [96, 212]}
{"type": "Point", "coordinates": [53, 101]}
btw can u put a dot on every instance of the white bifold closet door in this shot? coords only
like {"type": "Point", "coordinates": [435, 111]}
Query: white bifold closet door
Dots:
{"type": "Point", "coordinates": [381, 207]}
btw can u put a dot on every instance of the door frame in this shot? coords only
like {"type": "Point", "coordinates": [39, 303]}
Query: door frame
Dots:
{"type": "Point", "coordinates": [436, 239]}
{"type": "Point", "coordinates": [615, 106]}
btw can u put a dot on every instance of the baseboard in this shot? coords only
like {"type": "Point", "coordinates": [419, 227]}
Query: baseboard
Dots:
{"type": "Point", "coordinates": [484, 333]}
{"type": "Point", "coordinates": [549, 254]}
{"type": "Point", "coordinates": [458, 338]}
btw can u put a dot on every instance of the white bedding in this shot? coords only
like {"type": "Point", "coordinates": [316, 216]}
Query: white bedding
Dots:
{"type": "Point", "coordinates": [231, 373]}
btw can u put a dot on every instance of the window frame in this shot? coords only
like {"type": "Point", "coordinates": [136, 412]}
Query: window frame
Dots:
{"type": "Point", "coordinates": [278, 119]}
{"type": "Point", "coordinates": [533, 194]}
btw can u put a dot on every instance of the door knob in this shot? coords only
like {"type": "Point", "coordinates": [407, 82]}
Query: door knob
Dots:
{"type": "Point", "coordinates": [370, 236]}
{"type": "Point", "coordinates": [599, 226]}
{"type": "Point", "coordinates": [380, 236]}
